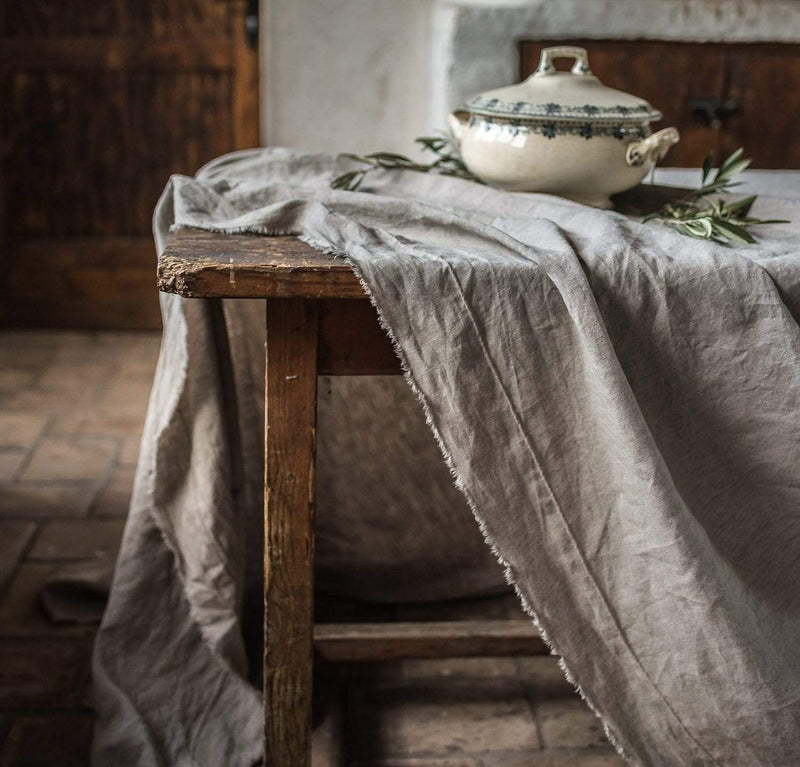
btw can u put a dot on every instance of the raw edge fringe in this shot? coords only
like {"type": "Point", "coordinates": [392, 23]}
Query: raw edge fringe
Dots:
{"type": "Point", "coordinates": [508, 572]}
{"type": "Point", "coordinates": [254, 229]}
{"type": "Point", "coordinates": [457, 481]}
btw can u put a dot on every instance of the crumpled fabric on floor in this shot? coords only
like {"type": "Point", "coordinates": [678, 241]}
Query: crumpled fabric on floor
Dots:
{"type": "Point", "coordinates": [618, 403]}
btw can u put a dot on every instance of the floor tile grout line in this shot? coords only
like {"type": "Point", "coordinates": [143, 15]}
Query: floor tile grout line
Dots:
{"type": "Point", "coordinates": [33, 448]}
{"type": "Point", "coordinates": [105, 479]}
{"type": "Point", "coordinates": [40, 483]}
{"type": "Point", "coordinates": [21, 559]}
{"type": "Point", "coordinates": [532, 705]}
{"type": "Point", "coordinates": [96, 484]}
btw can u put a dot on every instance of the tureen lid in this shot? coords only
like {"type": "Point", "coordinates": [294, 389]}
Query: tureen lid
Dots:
{"type": "Point", "coordinates": [554, 95]}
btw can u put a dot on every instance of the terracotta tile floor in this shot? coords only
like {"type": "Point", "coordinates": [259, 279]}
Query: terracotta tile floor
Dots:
{"type": "Point", "coordinates": [71, 412]}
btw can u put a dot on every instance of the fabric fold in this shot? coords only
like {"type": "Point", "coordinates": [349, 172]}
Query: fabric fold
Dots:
{"type": "Point", "coordinates": [619, 407]}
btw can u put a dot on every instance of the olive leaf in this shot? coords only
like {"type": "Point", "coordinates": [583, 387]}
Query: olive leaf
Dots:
{"type": "Point", "coordinates": [708, 166]}
{"type": "Point", "coordinates": [447, 162]}
{"type": "Point", "coordinates": [697, 215]}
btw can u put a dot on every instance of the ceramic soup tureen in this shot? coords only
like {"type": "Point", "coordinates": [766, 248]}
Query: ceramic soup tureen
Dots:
{"type": "Point", "coordinates": [564, 133]}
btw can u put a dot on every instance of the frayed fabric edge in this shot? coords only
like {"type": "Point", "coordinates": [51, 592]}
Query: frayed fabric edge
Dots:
{"type": "Point", "coordinates": [508, 571]}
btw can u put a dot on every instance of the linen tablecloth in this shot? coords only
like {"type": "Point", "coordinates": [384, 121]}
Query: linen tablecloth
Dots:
{"type": "Point", "coordinates": [618, 405]}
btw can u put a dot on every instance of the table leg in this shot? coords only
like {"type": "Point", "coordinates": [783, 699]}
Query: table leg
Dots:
{"type": "Point", "coordinates": [291, 411]}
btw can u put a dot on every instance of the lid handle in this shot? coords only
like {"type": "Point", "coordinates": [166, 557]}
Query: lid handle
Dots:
{"type": "Point", "coordinates": [546, 66]}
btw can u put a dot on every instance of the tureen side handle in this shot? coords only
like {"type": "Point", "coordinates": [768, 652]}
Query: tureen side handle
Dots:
{"type": "Point", "coordinates": [653, 147]}
{"type": "Point", "coordinates": [457, 121]}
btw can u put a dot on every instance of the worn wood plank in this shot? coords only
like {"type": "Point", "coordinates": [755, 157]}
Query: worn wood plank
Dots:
{"type": "Point", "coordinates": [291, 408]}
{"type": "Point", "coordinates": [186, 19]}
{"type": "Point", "coordinates": [197, 263]}
{"type": "Point", "coordinates": [247, 84]}
{"type": "Point", "coordinates": [65, 55]}
{"type": "Point", "coordinates": [352, 342]}
{"type": "Point", "coordinates": [350, 642]}
{"type": "Point", "coordinates": [109, 143]}
{"type": "Point", "coordinates": [762, 79]}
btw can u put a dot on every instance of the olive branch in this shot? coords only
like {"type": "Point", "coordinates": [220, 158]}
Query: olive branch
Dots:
{"type": "Point", "coordinates": [698, 216]}
{"type": "Point", "coordinates": [447, 162]}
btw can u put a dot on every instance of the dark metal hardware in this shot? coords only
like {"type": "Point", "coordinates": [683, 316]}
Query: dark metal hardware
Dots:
{"type": "Point", "coordinates": [251, 23]}
{"type": "Point", "coordinates": [713, 110]}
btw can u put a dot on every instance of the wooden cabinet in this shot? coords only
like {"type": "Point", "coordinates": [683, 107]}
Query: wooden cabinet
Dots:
{"type": "Point", "coordinates": [720, 96]}
{"type": "Point", "coordinates": [101, 103]}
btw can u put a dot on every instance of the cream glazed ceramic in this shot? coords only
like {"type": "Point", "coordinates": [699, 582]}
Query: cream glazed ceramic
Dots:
{"type": "Point", "coordinates": [564, 133]}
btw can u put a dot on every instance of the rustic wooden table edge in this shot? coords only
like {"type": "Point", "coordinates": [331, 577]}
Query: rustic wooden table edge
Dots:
{"type": "Point", "coordinates": [204, 264]}
{"type": "Point", "coordinates": [310, 332]}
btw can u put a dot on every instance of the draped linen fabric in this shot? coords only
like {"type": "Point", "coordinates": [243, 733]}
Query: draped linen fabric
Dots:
{"type": "Point", "coordinates": [617, 403]}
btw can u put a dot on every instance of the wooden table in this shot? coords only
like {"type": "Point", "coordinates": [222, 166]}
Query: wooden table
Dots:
{"type": "Point", "coordinates": [319, 322]}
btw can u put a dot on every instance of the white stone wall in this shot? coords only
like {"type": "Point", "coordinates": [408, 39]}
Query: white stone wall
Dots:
{"type": "Point", "coordinates": [362, 75]}
{"type": "Point", "coordinates": [346, 75]}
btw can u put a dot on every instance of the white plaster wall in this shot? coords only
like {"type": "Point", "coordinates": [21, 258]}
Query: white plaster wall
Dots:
{"type": "Point", "coordinates": [345, 75]}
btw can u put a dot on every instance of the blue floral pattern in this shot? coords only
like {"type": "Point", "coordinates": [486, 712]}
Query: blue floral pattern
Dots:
{"type": "Point", "coordinates": [640, 113]}
{"type": "Point", "coordinates": [552, 128]}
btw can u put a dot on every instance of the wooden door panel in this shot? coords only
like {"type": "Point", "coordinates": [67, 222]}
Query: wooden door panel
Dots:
{"type": "Point", "coordinates": [78, 18]}
{"type": "Point", "coordinates": [97, 282]}
{"type": "Point", "coordinates": [89, 152]}
{"type": "Point", "coordinates": [102, 103]}
{"type": "Point", "coordinates": [765, 81]}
